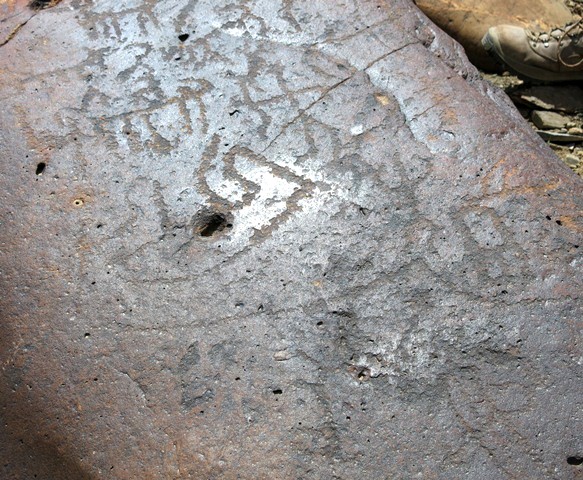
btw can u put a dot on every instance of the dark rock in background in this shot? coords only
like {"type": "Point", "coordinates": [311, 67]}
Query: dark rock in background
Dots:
{"type": "Point", "coordinates": [560, 98]}
{"type": "Point", "coordinates": [278, 240]}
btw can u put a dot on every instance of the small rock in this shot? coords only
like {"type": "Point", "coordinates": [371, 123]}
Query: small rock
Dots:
{"type": "Point", "coordinates": [576, 131]}
{"type": "Point", "coordinates": [548, 120]}
{"type": "Point", "coordinates": [559, 137]}
{"type": "Point", "coordinates": [571, 160]}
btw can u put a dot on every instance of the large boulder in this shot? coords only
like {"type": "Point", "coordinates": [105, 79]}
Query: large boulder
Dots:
{"type": "Point", "coordinates": [278, 239]}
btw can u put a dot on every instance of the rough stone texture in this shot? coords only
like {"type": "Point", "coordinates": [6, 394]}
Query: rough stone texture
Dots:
{"type": "Point", "coordinates": [307, 241]}
{"type": "Point", "coordinates": [548, 120]}
{"type": "Point", "coordinates": [14, 14]}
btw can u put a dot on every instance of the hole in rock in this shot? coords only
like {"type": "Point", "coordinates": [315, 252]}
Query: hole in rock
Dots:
{"type": "Point", "coordinates": [578, 460]}
{"type": "Point", "coordinates": [212, 223]}
{"type": "Point", "coordinates": [183, 37]}
{"type": "Point", "coordinates": [42, 4]}
{"type": "Point", "coordinates": [40, 168]}
{"type": "Point", "coordinates": [364, 374]}
{"type": "Point", "coordinates": [277, 391]}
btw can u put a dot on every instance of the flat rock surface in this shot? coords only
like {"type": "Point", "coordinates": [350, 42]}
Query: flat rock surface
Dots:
{"type": "Point", "coordinates": [278, 239]}
{"type": "Point", "coordinates": [548, 120]}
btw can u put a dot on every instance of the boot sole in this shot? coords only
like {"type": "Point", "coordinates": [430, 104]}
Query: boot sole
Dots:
{"type": "Point", "coordinates": [526, 72]}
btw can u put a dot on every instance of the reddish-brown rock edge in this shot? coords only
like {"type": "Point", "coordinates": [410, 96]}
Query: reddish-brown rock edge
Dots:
{"type": "Point", "coordinates": [278, 239]}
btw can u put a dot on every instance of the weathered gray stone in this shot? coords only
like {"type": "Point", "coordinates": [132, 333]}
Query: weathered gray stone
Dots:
{"type": "Point", "coordinates": [13, 15]}
{"type": "Point", "coordinates": [328, 179]}
{"type": "Point", "coordinates": [572, 160]}
{"type": "Point", "coordinates": [559, 137]}
{"type": "Point", "coordinates": [549, 120]}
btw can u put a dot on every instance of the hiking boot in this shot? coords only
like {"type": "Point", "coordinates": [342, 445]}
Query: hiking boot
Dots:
{"type": "Point", "coordinates": [467, 21]}
{"type": "Point", "coordinates": [554, 56]}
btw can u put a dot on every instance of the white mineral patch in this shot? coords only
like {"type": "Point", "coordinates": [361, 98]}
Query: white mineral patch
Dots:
{"type": "Point", "coordinates": [310, 168]}
{"type": "Point", "coordinates": [235, 32]}
{"type": "Point", "coordinates": [224, 187]}
{"type": "Point", "coordinates": [168, 121]}
{"type": "Point", "coordinates": [122, 59]}
{"type": "Point", "coordinates": [282, 355]}
{"type": "Point", "coordinates": [271, 199]}
{"type": "Point", "coordinates": [268, 193]}
{"type": "Point", "coordinates": [357, 130]}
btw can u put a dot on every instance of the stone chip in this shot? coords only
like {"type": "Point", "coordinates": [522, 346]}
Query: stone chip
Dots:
{"type": "Point", "coordinates": [549, 120]}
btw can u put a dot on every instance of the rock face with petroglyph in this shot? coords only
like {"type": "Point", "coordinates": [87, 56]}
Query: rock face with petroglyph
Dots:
{"type": "Point", "coordinates": [278, 239]}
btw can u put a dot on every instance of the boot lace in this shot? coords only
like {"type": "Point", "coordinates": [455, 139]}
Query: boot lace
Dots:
{"type": "Point", "coordinates": [558, 34]}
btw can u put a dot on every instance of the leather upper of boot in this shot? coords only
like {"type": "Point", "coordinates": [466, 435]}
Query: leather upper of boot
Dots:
{"type": "Point", "coordinates": [468, 20]}
{"type": "Point", "coordinates": [559, 50]}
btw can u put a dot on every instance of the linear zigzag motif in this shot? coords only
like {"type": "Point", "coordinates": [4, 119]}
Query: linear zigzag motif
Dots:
{"type": "Point", "coordinates": [260, 195]}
